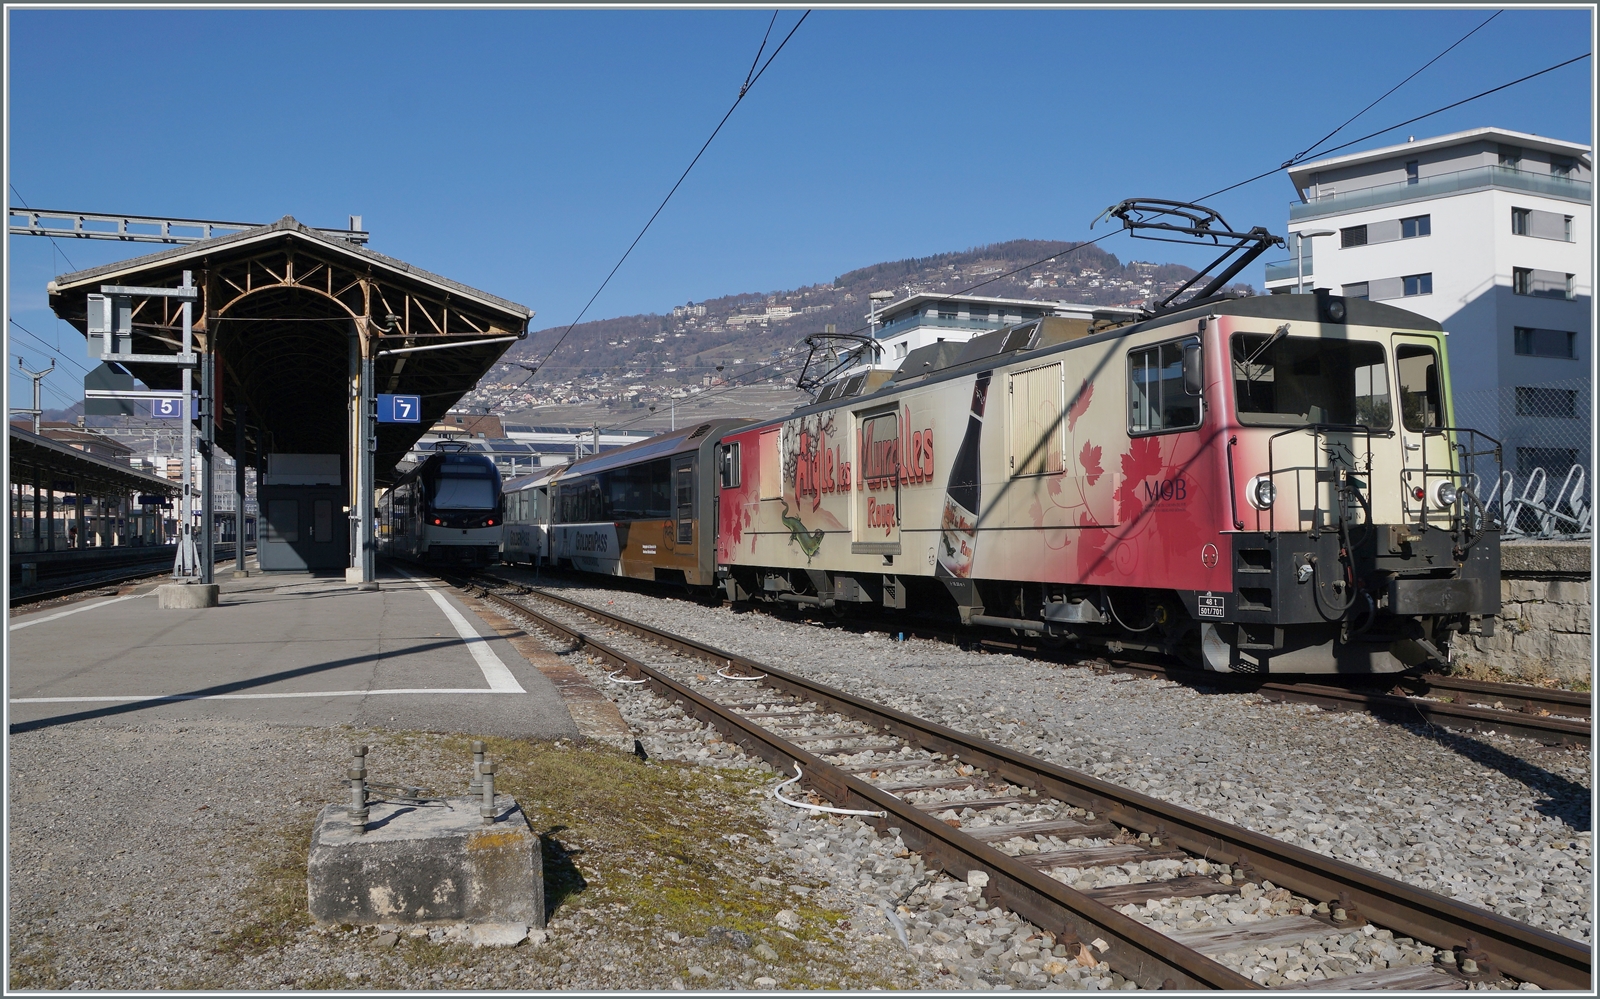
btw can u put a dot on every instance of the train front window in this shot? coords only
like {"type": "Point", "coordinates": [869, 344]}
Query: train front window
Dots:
{"type": "Point", "coordinates": [1288, 381]}
{"type": "Point", "coordinates": [1421, 407]}
{"type": "Point", "coordinates": [461, 492]}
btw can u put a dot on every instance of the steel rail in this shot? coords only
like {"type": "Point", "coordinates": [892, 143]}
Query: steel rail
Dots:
{"type": "Point", "coordinates": [1406, 700]}
{"type": "Point", "coordinates": [1514, 948]}
{"type": "Point", "coordinates": [126, 571]}
{"type": "Point", "coordinates": [1136, 951]}
{"type": "Point", "coordinates": [1404, 708]}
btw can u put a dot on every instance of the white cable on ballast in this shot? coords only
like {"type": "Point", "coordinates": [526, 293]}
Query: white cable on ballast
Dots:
{"type": "Point", "coordinates": [612, 676]}
{"type": "Point", "coordinates": [727, 676]}
{"type": "Point", "coordinates": [777, 792]}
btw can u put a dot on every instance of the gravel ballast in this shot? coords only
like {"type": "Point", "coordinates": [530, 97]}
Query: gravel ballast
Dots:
{"type": "Point", "coordinates": [1494, 821]}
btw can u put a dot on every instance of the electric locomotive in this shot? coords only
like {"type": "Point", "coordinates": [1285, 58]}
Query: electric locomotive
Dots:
{"type": "Point", "coordinates": [1269, 484]}
{"type": "Point", "coordinates": [447, 509]}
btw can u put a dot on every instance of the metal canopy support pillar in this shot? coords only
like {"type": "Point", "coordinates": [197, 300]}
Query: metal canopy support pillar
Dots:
{"type": "Point", "coordinates": [78, 516]}
{"type": "Point", "coordinates": [362, 403]}
{"type": "Point", "coordinates": [185, 565]}
{"type": "Point", "coordinates": [208, 426]}
{"type": "Point", "coordinates": [238, 489]}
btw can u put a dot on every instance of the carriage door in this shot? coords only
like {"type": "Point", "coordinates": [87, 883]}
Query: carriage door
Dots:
{"type": "Point", "coordinates": [1422, 413]}
{"type": "Point", "coordinates": [683, 494]}
{"type": "Point", "coordinates": [877, 503]}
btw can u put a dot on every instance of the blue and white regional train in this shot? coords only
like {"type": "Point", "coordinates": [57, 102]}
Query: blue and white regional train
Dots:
{"type": "Point", "coordinates": [447, 509]}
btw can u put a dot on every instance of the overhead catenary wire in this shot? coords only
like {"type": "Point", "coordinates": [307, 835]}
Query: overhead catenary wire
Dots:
{"type": "Point", "coordinates": [53, 242]}
{"type": "Point", "coordinates": [1307, 151]}
{"type": "Point", "coordinates": [750, 81]}
{"type": "Point", "coordinates": [1402, 124]}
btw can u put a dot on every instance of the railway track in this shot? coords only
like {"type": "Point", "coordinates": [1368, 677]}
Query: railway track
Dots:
{"type": "Point", "coordinates": [876, 759]}
{"type": "Point", "coordinates": [155, 566]}
{"type": "Point", "coordinates": [1550, 716]}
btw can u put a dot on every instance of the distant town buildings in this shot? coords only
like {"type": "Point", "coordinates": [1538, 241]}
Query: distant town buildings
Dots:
{"type": "Point", "coordinates": [1488, 232]}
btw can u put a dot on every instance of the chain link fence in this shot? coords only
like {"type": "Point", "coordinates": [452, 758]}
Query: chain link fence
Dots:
{"type": "Point", "coordinates": [1542, 487]}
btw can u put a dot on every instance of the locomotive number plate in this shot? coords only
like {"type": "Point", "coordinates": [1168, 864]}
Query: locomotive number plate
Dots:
{"type": "Point", "coordinates": [1210, 605]}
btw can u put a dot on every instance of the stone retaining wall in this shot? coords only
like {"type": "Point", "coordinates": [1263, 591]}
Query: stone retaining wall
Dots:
{"type": "Point", "coordinates": [1544, 625]}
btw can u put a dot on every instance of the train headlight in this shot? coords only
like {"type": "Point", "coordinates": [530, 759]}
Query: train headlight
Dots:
{"type": "Point", "coordinates": [1444, 494]}
{"type": "Point", "coordinates": [1261, 492]}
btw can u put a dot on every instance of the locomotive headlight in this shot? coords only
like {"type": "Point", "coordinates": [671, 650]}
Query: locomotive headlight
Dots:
{"type": "Point", "coordinates": [1261, 492]}
{"type": "Point", "coordinates": [1444, 494]}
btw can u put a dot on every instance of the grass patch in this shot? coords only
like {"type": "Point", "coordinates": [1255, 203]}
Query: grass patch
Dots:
{"type": "Point", "coordinates": [665, 844]}
{"type": "Point", "coordinates": [35, 968]}
{"type": "Point", "coordinates": [279, 911]}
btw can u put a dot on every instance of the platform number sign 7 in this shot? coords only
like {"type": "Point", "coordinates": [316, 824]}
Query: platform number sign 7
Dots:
{"type": "Point", "coordinates": [399, 409]}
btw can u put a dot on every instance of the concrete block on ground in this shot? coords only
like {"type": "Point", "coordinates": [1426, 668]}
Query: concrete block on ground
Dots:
{"type": "Point", "coordinates": [186, 596]}
{"type": "Point", "coordinates": [430, 863]}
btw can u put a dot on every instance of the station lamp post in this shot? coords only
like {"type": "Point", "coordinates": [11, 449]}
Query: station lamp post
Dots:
{"type": "Point", "coordinates": [1300, 256]}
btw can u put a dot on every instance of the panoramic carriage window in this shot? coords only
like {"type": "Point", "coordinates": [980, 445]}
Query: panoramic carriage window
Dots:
{"type": "Point", "coordinates": [1157, 401]}
{"type": "Point", "coordinates": [1289, 381]}
{"type": "Point", "coordinates": [1421, 405]}
{"type": "Point", "coordinates": [642, 492]}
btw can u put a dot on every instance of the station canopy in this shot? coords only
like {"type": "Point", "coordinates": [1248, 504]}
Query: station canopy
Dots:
{"type": "Point", "coordinates": [63, 468]}
{"type": "Point", "coordinates": [278, 305]}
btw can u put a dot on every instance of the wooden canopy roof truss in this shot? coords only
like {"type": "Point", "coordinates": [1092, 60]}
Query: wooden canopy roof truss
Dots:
{"type": "Point", "coordinates": [278, 307]}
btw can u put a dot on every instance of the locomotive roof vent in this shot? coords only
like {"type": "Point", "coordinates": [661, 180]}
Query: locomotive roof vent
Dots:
{"type": "Point", "coordinates": [700, 431]}
{"type": "Point", "coordinates": [928, 359]}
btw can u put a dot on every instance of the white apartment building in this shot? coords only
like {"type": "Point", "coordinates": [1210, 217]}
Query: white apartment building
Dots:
{"type": "Point", "coordinates": [926, 318]}
{"type": "Point", "coordinates": [1490, 233]}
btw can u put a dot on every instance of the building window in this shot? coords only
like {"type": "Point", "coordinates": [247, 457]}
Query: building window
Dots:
{"type": "Point", "coordinates": [947, 312]}
{"type": "Point", "coordinates": [1416, 225]}
{"type": "Point", "coordinates": [1355, 290]}
{"type": "Point", "coordinates": [1511, 157]}
{"type": "Point", "coordinates": [1541, 284]}
{"type": "Point", "coordinates": [1547, 402]}
{"type": "Point", "coordinates": [1561, 166]}
{"type": "Point", "coordinates": [1532, 342]}
{"type": "Point", "coordinates": [899, 350]}
{"type": "Point", "coordinates": [1411, 171]}
{"type": "Point", "coordinates": [1356, 235]}
{"type": "Point", "coordinates": [1541, 225]}
{"type": "Point", "coordinates": [1418, 284]}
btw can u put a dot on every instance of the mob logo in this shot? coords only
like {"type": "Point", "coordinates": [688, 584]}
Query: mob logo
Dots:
{"type": "Point", "coordinates": [1166, 490]}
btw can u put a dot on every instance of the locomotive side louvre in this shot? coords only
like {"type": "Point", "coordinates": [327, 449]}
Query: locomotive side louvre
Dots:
{"type": "Point", "coordinates": [1111, 487]}
{"type": "Point", "coordinates": [449, 508]}
{"type": "Point", "coordinates": [642, 511]}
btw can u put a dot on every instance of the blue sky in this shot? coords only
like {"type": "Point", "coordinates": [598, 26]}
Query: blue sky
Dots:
{"type": "Point", "coordinates": [520, 151]}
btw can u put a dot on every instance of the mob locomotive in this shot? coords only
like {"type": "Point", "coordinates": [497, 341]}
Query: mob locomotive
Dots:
{"type": "Point", "coordinates": [447, 509]}
{"type": "Point", "coordinates": [1269, 484]}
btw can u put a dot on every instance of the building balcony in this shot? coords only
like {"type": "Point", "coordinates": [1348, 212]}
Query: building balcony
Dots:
{"type": "Point", "coordinates": [1462, 181]}
{"type": "Point", "coordinates": [914, 321]}
{"type": "Point", "coordinates": [1286, 270]}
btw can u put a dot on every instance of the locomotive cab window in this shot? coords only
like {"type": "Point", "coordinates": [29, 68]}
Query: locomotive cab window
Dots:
{"type": "Point", "coordinates": [1158, 400]}
{"type": "Point", "coordinates": [1289, 381]}
{"type": "Point", "coordinates": [728, 465]}
{"type": "Point", "coordinates": [1421, 405]}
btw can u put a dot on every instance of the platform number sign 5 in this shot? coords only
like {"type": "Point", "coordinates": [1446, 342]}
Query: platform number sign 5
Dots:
{"type": "Point", "coordinates": [167, 409]}
{"type": "Point", "coordinates": [399, 409]}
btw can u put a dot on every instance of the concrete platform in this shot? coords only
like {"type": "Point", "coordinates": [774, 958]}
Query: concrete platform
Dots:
{"type": "Point", "coordinates": [294, 648]}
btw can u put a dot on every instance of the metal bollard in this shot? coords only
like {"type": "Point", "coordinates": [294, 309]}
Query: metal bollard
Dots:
{"type": "Point", "coordinates": [358, 788]}
{"type": "Point", "coordinates": [487, 808]}
{"type": "Point", "coordinates": [476, 785]}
